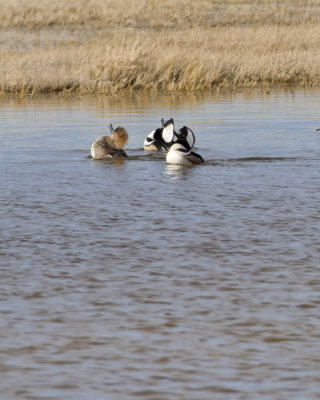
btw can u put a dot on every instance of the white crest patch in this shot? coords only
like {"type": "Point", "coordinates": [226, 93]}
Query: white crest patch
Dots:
{"type": "Point", "coordinates": [167, 133]}
{"type": "Point", "coordinates": [190, 138]}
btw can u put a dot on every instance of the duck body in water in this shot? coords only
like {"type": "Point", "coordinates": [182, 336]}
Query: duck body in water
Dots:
{"type": "Point", "coordinates": [110, 146]}
{"type": "Point", "coordinates": [180, 154]}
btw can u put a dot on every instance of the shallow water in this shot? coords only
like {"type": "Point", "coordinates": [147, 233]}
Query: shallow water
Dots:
{"type": "Point", "coordinates": [134, 279]}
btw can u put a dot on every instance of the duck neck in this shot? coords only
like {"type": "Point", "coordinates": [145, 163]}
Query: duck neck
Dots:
{"type": "Point", "coordinates": [184, 143]}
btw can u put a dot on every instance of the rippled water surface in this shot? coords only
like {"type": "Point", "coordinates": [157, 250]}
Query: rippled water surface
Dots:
{"type": "Point", "coordinates": [134, 279]}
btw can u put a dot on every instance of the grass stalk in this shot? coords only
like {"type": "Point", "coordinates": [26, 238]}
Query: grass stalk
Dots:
{"type": "Point", "coordinates": [106, 47]}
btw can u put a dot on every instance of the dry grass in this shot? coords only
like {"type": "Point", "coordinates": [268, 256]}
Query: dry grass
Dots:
{"type": "Point", "coordinates": [104, 46]}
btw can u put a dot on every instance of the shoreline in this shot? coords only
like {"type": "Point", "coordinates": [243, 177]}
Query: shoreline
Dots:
{"type": "Point", "coordinates": [129, 93]}
{"type": "Point", "coordinates": [48, 49]}
{"type": "Point", "coordinates": [143, 98]}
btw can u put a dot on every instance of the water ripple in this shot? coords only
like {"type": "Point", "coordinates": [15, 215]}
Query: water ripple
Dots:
{"type": "Point", "coordinates": [134, 278]}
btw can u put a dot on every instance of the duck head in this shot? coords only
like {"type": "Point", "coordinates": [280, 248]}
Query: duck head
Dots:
{"type": "Point", "coordinates": [119, 137]}
{"type": "Point", "coordinates": [186, 136]}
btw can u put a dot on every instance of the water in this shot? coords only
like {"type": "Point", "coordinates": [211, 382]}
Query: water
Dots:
{"type": "Point", "coordinates": [134, 279]}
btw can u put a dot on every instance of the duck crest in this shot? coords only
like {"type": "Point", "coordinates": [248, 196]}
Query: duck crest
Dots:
{"type": "Point", "coordinates": [186, 135]}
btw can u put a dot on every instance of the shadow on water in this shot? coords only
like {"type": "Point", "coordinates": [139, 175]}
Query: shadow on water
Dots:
{"type": "Point", "coordinates": [244, 160]}
{"type": "Point", "coordinates": [161, 156]}
{"type": "Point", "coordinates": [135, 155]}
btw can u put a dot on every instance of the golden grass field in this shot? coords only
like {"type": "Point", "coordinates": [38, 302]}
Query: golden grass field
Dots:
{"type": "Point", "coordinates": [105, 46]}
